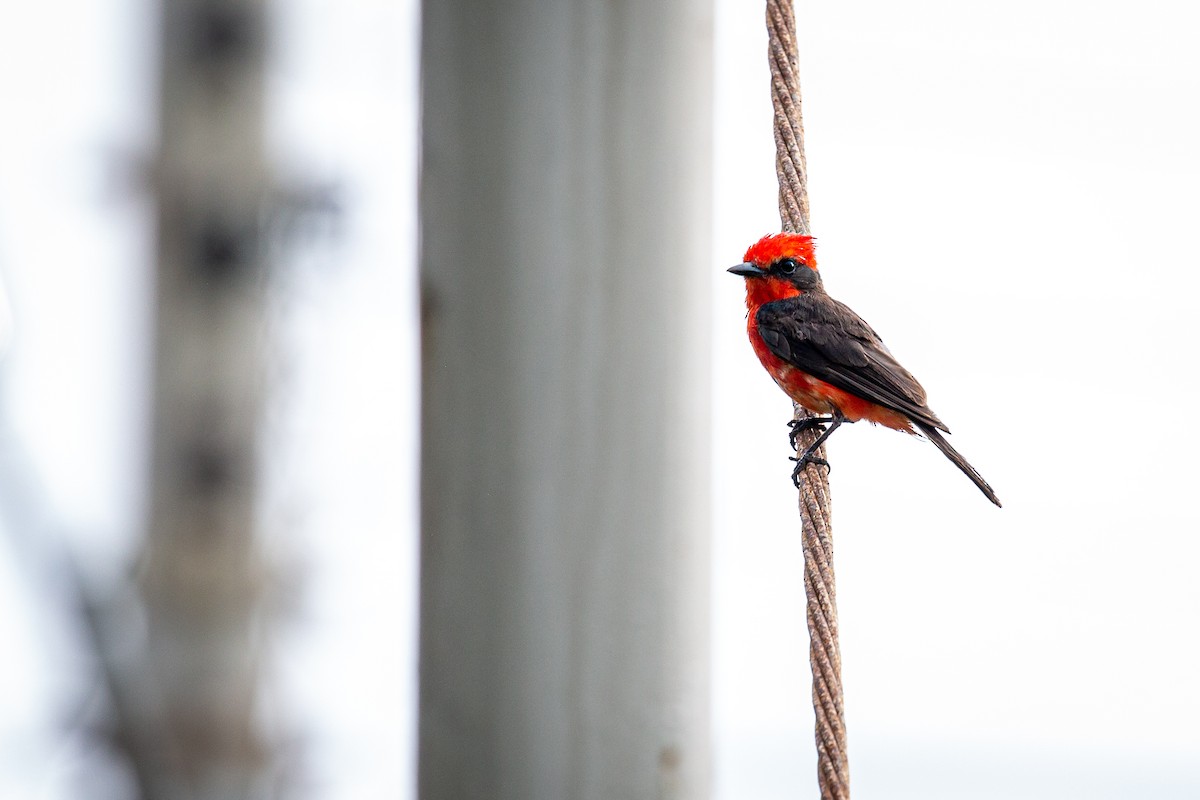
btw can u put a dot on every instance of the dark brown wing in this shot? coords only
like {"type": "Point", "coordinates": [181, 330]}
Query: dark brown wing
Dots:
{"type": "Point", "coordinates": [827, 340]}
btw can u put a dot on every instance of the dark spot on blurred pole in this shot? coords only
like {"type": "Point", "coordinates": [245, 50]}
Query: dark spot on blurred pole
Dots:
{"type": "Point", "coordinates": [222, 34]}
{"type": "Point", "coordinates": [209, 469]}
{"type": "Point", "coordinates": [224, 249]}
{"type": "Point", "coordinates": [669, 759]}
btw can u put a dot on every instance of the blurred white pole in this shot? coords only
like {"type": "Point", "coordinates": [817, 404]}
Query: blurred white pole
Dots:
{"type": "Point", "coordinates": [198, 703]}
{"type": "Point", "coordinates": [565, 208]}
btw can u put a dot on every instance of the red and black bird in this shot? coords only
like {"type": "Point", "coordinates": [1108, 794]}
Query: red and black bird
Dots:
{"type": "Point", "coordinates": [825, 357]}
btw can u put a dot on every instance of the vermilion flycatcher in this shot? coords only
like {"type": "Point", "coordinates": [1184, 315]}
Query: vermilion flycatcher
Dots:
{"type": "Point", "coordinates": [826, 357]}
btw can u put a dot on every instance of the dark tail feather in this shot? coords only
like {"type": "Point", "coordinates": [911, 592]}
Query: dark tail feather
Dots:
{"type": "Point", "coordinates": [934, 436]}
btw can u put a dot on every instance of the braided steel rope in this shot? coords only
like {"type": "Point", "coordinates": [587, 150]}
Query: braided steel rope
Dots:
{"type": "Point", "coordinates": [833, 769]}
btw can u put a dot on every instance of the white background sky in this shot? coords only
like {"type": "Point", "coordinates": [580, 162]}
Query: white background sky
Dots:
{"type": "Point", "coordinates": [1008, 194]}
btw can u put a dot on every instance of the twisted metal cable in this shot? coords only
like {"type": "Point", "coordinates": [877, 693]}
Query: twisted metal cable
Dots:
{"type": "Point", "coordinates": [833, 769]}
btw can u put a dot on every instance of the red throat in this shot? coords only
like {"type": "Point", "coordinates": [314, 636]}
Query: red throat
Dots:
{"type": "Point", "coordinates": [768, 290]}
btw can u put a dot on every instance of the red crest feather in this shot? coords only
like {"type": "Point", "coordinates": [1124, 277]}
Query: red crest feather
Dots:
{"type": "Point", "coordinates": [775, 246]}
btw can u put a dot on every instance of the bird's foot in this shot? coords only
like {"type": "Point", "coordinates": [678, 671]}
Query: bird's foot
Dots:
{"type": "Point", "coordinates": [798, 426]}
{"type": "Point", "coordinates": [803, 461]}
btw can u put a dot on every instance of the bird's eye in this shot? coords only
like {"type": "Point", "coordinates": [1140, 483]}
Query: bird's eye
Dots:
{"type": "Point", "coordinates": [787, 266]}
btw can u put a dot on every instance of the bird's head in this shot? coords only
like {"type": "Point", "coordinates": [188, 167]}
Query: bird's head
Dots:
{"type": "Point", "coordinates": [777, 266]}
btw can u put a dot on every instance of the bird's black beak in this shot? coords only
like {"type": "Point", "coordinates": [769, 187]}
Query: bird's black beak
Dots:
{"type": "Point", "coordinates": [748, 271]}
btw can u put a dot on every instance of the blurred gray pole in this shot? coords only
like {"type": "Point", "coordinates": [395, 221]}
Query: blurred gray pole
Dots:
{"type": "Point", "coordinates": [565, 266]}
{"type": "Point", "coordinates": [201, 575]}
